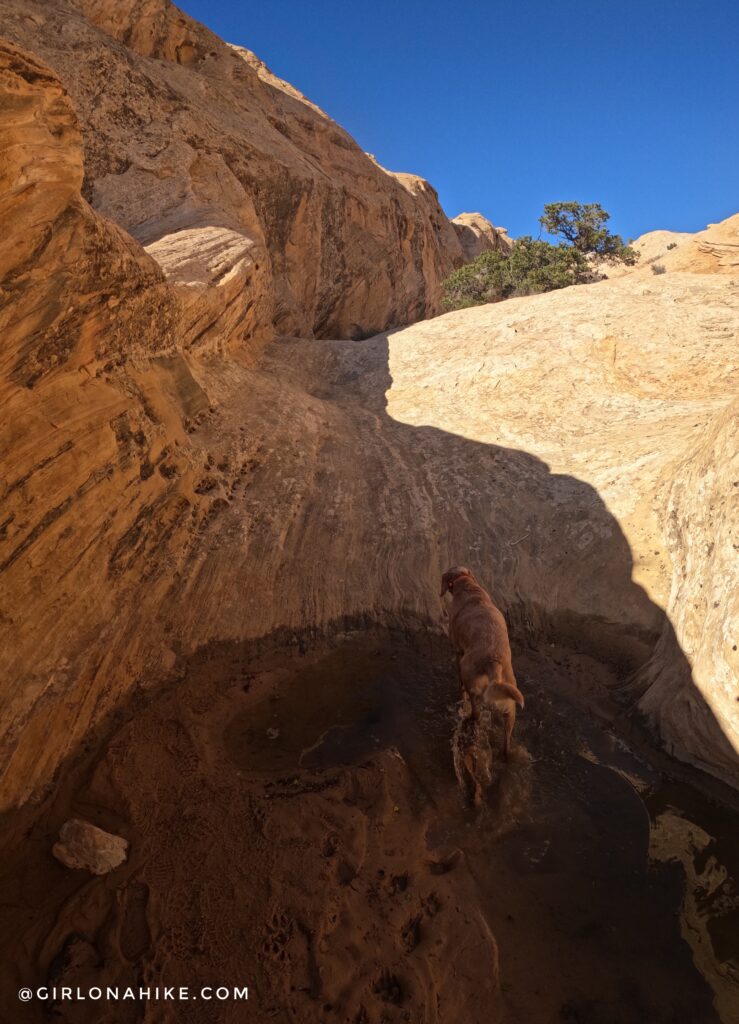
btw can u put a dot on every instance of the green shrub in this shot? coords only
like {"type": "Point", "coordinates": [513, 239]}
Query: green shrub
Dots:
{"type": "Point", "coordinates": [534, 266]}
{"type": "Point", "coordinates": [659, 268]}
{"type": "Point", "coordinates": [672, 245]}
{"type": "Point", "coordinates": [531, 267]}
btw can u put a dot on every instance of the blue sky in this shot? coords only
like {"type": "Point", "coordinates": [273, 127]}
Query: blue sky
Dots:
{"type": "Point", "coordinates": [507, 106]}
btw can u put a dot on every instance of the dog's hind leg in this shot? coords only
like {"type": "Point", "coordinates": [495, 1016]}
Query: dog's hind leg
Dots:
{"type": "Point", "coordinates": [477, 690]}
{"type": "Point", "coordinates": [500, 688]}
{"type": "Point", "coordinates": [509, 720]}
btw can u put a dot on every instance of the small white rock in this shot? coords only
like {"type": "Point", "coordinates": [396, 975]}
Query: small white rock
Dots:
{"type": "Point", "coordinates": [86, 847]}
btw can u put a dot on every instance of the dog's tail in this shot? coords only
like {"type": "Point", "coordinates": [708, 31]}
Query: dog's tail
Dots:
{"type": "Point", "coordinates": [499, 689]}
{"type": "Point", "coordinates": [505, 691]}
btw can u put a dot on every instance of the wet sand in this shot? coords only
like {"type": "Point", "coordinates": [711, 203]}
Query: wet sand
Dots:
{"type": "Point", "coordinates": [296, 826]}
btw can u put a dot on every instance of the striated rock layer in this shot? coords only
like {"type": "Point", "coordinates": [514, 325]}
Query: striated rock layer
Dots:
{"type": "Point", "coordinates": [715, 250]}
{"type": "Point", "coordinates": [159, 495]}
{"type": "Point", "coordinates": [262, 212]}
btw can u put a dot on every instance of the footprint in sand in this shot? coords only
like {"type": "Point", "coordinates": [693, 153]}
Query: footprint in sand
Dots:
{"type": "Point", "coordinates": [388, 987]}
{"type": "Point", "coordinates": [399, 883]}
{"type": "Point", "coordinates": [280, 930]}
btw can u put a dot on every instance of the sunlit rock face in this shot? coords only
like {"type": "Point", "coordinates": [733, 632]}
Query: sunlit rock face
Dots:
{"type": "Point", "coordinates": [244, 191]}
{"type": "Point", "coordinates": [477, 235]}
{"type": "Point", "coordinates": [629, 387]}
{"type": "Point", "coordinates": [715, 250]}
{"type": "Point", "coordinates": [171, 480]}
{"type": "Point", "coordinates": [225, 208]}
{"type": "Point", "coordinates": [84, 315]}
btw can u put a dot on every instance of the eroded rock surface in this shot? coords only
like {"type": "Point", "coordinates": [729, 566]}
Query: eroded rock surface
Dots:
{"type": "Point", "coordinates": [161, 494]}
{"type": "Point", "coordinates": [263, 212]}
{"type": "Point", "coordinates": [714, 250]}
{"type": "Point", "coordinates": [477, 235]}
{"type": "Point", "coordinates": [629, 386]}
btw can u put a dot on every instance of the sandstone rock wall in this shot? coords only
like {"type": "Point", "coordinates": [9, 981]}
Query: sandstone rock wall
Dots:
{"type": "Point", "coordinates": [694, 699]}
{"type": "Point", "coordinates": [260, 209]}
{"type": "Point", "coordinates": [89, 451]}
{"type": "Point", "coordinates": [627, 391]}
{"type": "Point", "coordinates": [477, 235]}
{"type": "Point", "coordinates": [164, 487]}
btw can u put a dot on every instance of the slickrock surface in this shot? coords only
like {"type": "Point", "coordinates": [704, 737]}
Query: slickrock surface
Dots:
{"type": "Point", "coordinates": [627, 393]}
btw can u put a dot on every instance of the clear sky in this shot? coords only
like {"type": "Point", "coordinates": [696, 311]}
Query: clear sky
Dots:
{"type": "Point", "coordinates": [505, 106]}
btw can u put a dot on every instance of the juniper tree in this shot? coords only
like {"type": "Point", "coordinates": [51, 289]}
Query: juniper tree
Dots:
{"type": "Point", "coordinates": [583, 226]}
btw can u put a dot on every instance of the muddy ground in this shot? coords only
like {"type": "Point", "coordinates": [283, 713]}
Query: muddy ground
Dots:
{"type": "Point", "coordinates": [296, 826]}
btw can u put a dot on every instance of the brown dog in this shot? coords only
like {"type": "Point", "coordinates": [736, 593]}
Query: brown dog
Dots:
{"type": "Point", "coordinates": [479, 637]}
